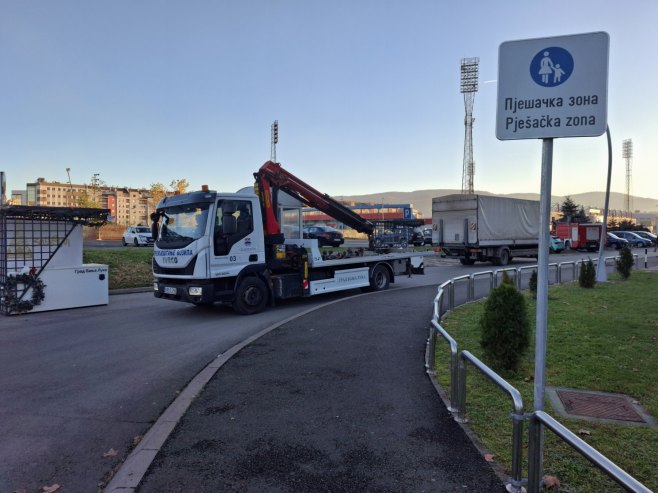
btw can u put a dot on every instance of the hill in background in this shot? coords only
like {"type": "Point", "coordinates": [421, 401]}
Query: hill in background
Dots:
{"type": "Point", "coordinates": [422, 199]}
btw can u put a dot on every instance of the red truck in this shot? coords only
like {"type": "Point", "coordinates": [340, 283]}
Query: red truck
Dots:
{"type": "Point", "coordinates": [579, 236]}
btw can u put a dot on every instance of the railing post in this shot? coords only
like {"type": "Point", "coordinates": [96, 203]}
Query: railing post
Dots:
{"type": "Point", "coordinates": [461, 407]}
{"type": "Point", "coordinates": [516, 485]}
{"type": "Point", "coordinates": [534, 455]}
{"type": "Point", "coordinates": [454, 382]}
{"type": "Point", "coordinates": [559, 273]}
{"type": "Point", "coordinates": [471, 287]}
{"type": "Point", "coordinates": [430, 362]}
{"type": "Point", "coordinates": [452, 296]}
{"type": "Point", "coordinates": [454, 385]}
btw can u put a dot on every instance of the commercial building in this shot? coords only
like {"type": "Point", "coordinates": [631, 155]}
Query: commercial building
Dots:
{"type": "Point", "coordinates": [372, 212]}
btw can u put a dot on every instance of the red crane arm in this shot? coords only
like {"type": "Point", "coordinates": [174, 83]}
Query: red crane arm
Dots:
{"type": "Point", "coordinates": [273, 175]}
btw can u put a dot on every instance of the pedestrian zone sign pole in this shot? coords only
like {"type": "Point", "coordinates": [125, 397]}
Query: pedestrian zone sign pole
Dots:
{"type": "Point", "coordinates": [550, 88]}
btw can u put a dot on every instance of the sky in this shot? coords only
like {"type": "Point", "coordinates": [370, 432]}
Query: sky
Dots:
{"type": "Point", "coordinates": [366, 93]}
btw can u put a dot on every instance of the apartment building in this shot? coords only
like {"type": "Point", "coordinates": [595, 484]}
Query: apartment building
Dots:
{"type": "Point", "coordinates": [128, 206]}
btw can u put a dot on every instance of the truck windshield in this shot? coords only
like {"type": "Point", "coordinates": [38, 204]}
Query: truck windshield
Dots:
{"type": "Point", "coordinates": [182, 224]}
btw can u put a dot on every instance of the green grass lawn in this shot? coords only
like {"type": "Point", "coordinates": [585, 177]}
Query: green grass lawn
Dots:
{"type": "Point", "coordinates": [129, 267]}
{"type": "Point", "coordinates": [601, 339]}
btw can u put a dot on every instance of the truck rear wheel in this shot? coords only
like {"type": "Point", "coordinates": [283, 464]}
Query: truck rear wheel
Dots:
{"type": "Point", "coordinates": [503, 258]}
{"type": "Point", "coordinates": [380, 279]}
{"type": "Point", "coordinates": [250, 296]}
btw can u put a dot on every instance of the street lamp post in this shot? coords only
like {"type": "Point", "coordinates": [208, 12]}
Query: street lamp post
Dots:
{"type": "Point", "coordinates": [94, 183]}
{"type": "Point", "coordinates": [68, 173]}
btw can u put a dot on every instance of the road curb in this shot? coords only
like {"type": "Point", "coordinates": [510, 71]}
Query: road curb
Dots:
{"type": "Point", "coordinates": [130, 290]}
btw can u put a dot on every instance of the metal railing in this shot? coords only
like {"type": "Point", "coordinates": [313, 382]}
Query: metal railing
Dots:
{"type": "Point", "coordinates": [458, 380]}
{"type": "Point", "coordinates": [539, 419]}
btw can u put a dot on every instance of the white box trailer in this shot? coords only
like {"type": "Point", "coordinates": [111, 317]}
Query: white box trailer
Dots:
{"type": "Point", "coordinates": [485, 227]}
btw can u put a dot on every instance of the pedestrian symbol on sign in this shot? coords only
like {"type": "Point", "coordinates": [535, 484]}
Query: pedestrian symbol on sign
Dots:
{"type": "Point", "coordinates": [551, 66]}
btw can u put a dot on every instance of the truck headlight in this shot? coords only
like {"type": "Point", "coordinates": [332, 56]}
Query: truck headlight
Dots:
{"type": "Point", "coordinates": [195, 291]}
{"type": "Point", "coordinates": [155, 286]}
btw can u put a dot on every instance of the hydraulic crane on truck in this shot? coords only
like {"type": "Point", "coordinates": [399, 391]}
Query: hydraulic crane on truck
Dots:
{"type": "Point", "coordinates": [272, 176]}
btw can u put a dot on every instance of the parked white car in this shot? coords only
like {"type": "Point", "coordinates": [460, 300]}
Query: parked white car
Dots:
{"type": "Point", "coordinates": [137, 236]}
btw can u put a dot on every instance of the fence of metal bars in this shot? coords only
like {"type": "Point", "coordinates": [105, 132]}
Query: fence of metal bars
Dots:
{"type": "Point", "coordinates": [458, 362]}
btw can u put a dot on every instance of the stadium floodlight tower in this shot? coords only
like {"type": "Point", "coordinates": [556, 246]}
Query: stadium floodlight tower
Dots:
{"type": "Point", "coordinates": [627, 154]}
{"type": "Point", "coordinates": [274, 139]}
{"type": "Point", "coordinates": [468, 87]}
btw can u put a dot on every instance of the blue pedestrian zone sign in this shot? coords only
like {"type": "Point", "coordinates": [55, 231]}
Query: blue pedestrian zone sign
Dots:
{"type": "Point", "coordinates": [553, 87]}
{"type": "Point", "coordinates": [551, 67]}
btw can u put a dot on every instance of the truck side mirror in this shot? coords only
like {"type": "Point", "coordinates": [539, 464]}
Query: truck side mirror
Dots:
{"type": "Point", "coordinates": [154, 230]}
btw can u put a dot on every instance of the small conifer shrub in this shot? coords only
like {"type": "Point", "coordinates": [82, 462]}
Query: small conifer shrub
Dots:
{"type": "Point", "coordinates": [587, 277]}
{"type": "Point", "coordinates": [505, 329]}
{"type": "Point", "coordinates": [532, 283]}
{"type": "Point", "coordinates": [507, 279]}
{"type": "Point", "coordinates": [625, 262]}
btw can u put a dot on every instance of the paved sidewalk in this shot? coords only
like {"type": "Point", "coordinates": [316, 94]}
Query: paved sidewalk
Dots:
{"type": "Point", "coordinates": [336, 400]}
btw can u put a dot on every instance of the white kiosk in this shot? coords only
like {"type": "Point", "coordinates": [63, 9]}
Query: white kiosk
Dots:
{"type": "Point", "coordinates": [41, 260]}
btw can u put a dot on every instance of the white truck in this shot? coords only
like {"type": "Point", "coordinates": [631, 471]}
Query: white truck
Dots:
{"type": "Point", "coordinates": [246, 249]}
{"type": "Point", "coordinates": [485, 227]}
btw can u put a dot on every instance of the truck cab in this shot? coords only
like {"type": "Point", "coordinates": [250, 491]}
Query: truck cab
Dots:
{"type": "Point", "coordinates": [210, 247]}
{"type": "Point", "coordinates": [206, 236]}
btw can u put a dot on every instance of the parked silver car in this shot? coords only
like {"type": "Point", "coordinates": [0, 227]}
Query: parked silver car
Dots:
{"type": "Point", "coordinates": [634, 239]}
{"type": "Point", "coordinates": [137, 236]}
{"type": "Point", "coordinates": [648, 236]}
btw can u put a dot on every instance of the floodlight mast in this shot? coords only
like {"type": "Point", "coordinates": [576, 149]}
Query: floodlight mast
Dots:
{"type": "Point", "coordinates": [627, 154]}
{"type": "Point", "coordinates": [274, 140]}
{"type": "Point", "coordinates": [468, 87]}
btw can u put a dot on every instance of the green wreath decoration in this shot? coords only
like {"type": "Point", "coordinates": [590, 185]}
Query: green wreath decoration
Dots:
{"type": "Point", "coordinates": [10, 290]}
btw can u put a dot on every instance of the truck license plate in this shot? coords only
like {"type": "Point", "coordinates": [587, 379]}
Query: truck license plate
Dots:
{"type": "Point", "coordinates": [169, 290]}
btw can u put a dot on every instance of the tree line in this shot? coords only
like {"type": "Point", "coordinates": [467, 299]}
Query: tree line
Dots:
{"type": "Point", "coordinates": [92, 196]}
{"type": "Point", "coordinates": [575, 213]}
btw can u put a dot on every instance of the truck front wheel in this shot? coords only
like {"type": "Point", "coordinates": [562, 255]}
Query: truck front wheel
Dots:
{"type": "Point", "coordinates": [250, 296]}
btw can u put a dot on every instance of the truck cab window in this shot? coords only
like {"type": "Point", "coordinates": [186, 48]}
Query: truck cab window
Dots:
{"type": "Point", "coordinates": [182, 225]}
{"type": "Point", "coordinates": [233, 222]}
{"type": "Point", "coordinates": [291, 223]}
